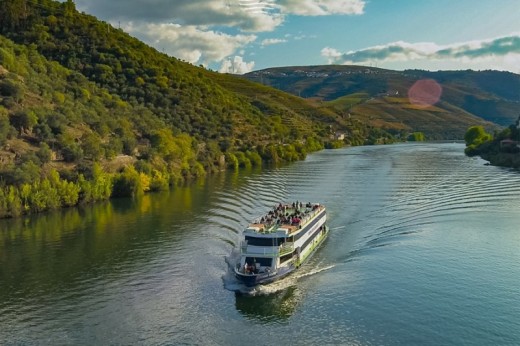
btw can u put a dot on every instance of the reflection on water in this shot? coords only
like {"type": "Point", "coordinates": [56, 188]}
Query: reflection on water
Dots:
{"type": "Point", "coordinates": [278, 306]}
{"type": "Point", "coordinates": [423, 249]}
{"type": "Point", "coordinates": [43, 252]}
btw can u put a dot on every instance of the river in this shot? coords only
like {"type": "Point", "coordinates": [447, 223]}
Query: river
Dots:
{"type": "Point", "coordinates": [424, 249]}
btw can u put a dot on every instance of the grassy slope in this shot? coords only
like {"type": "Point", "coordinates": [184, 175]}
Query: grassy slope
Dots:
{"type": "Point", "coordinates": [362, 92]}
{"type": "Point", "coordinates": [442, 121]}
{"type": "Point", "coordinates": [188, 98]}
{"type": "Point", "coordinates": [300, 114]}
{"type": "Point", "coordinates": [219, 111]}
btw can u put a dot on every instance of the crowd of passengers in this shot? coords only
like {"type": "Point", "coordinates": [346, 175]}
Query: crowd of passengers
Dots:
{"type": "Point", "coordinates": [284, 215]}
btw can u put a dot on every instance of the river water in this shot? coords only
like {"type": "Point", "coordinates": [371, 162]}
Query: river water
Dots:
{"type": "Point", "coordinates": [424, 249]}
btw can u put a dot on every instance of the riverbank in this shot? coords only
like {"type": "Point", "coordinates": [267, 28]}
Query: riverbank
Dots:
{"type": "Point", "coordinates": [501, 149]}
{"type": "Point", "coordinates": [503, 159]}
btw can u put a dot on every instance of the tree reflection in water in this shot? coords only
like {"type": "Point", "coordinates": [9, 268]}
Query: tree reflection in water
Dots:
{"type": "Point", "coordinates": [278, 306]}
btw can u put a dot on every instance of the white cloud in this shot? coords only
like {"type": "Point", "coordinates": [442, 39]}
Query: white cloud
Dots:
{"type": "Point", "coordinates": [241, 14]}
{"type": "Point", "coordinates": [512, 63]}
{"type": "Point", "coordinates": [246, 15]}
{"type": "Point", "coordinates": [497, 53]}
{"type": "Point", "coordinates": [207, 31]}
{"type": "Point", "coordinates": [299, 36]}
{"type": "Point", "coordinates": [321, 7]}
{"type": "Point", "coordinates": [189, 42]}
{"type": "Point", "coordinates": [236, 65]}
{"type": "Point", "coordinates": [331, 54]}
{"type": "Point", "coordinates": [271, 41]}
{"type": "Point", "coordinates": [258, 6]}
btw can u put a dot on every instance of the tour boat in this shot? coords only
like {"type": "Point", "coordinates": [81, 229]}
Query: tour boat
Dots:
{"type": "Point", "coordinates": [280, 241]}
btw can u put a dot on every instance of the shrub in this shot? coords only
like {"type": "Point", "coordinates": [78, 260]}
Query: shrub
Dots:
{"type": "Point", "coordinates": [11, 89]}
{"type": "Point", "coordinates": [127, 184]}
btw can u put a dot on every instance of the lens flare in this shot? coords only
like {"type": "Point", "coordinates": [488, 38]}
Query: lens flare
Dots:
{"type": "Point", "coordinates": [425, 93]}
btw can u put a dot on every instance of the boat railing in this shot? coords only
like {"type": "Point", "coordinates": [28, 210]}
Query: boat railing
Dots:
{"type": "Point", "coordinates": [286, 248]}
{"type": "Point", "coordinates": [260, 250]}
{"type": "Point", "coordinates": [281, 250]}
{"type": "Point", "coordinates": [311, 214]}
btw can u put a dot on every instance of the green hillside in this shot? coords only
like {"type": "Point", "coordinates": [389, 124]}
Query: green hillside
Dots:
{"type": "Point", "coordinates": [379, 96]}
{"type": "Point", "coordinates": [186, 98]}
{"type": "Point", "coordinates": [180, 94]}
{"type": "Point", "coordinates": [88, 112]}
{"type": "Point", "coordinates": [441, 121]}
{"type": "Point", "coordinates": [500, 149]}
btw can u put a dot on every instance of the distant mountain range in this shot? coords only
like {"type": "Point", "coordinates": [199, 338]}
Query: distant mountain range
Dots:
{"type": "Point", "coordinates": [380, 97]}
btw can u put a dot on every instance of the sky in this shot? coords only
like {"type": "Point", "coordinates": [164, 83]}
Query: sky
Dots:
{"type": "Point", "coordinates": [239, 36]}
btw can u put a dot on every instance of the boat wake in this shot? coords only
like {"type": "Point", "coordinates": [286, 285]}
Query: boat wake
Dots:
{"type": "Point", "coordinates": [231, 283]}
{"type": "Point", "coordinates": [315, 271]}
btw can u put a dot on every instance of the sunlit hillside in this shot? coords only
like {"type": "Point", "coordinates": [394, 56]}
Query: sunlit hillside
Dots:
{"type": "Point", "coordinates": [380, 96]}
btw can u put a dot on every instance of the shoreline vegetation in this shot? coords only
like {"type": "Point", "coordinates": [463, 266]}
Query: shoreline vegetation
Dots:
{"type": "Point", "coordinates": [88, 112]}
{"type": "Point", "coordinates": [500, 149]}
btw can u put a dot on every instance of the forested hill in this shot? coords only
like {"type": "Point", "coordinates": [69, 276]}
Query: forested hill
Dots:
{"type": "Point", "coordinates": [213, 108]}
{"type": "Point", "coordinates": [183, 96]}
{"type": "Point", "coordinates": [88, 112]}
{"type": "Point", "coordinates": [380, 96]}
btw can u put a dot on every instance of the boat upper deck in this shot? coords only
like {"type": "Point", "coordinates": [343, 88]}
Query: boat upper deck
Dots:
{"type": "Point", "coordinates": [286, 218]}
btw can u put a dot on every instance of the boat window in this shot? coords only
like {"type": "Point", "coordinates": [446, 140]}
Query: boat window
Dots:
{"type": "Point", "coordinates": [264, 241]}
{"type": "Point", "coordinates": [264, 262]}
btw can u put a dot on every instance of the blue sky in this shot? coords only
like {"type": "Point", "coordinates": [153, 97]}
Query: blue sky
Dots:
{"type": "Point", "coordinates": [238, 36]}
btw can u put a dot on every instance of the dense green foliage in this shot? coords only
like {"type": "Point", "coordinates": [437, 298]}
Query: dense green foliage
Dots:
{"type": "Point", "coordinates": [186, 98]}
{"type": "Point", "coordinates": [502, 149]}
{"type": "Point", "coordinates": [53, 192]}
{"type": "Point", "coordinates": [415, 137]}
{"type": "Point", "coordinates": [88, 112]}
{"type": "Point", "coordinates": [474, 137]}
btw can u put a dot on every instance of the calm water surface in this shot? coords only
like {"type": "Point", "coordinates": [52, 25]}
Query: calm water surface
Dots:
{"type": "Point", "coordinates": [424, 250]}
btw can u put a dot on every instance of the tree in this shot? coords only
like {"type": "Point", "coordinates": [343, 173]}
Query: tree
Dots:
{"type": "Point", "coordinates": [12, 13]}
{"type": "Point", "coordinates": [27, 172]}
{"type": "Point", "coordinates": [476, 135]}
{"type": "Point", "coordinates": [44, 153]}
{"type": "Point", "coordinates": [91, 145]}
{"type": "Point", "coordinates": [11, 89]}
{"type": "Point", "coordinates": [416, 137]}
{"type": "Point", "coordinates": [4, 125]}
{"type": "Point", "coordinates": [24, 120]}
{"type": "Point", "coordinates": [128, 183]}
